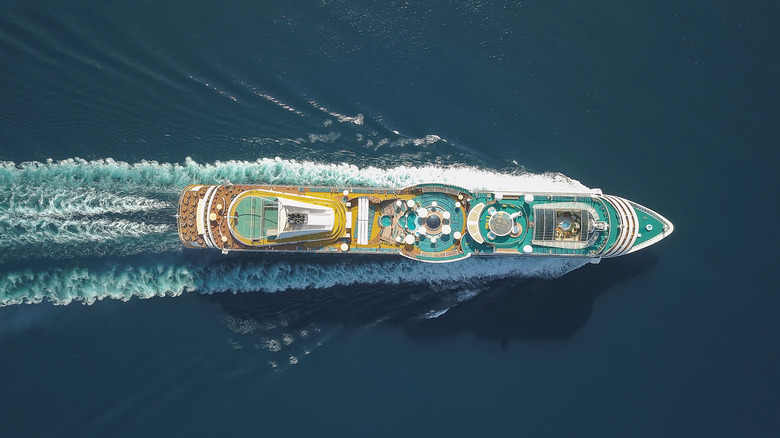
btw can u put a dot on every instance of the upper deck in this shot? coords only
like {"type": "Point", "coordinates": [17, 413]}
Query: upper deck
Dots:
{"type": "Point", "coordinates": [427, 222]}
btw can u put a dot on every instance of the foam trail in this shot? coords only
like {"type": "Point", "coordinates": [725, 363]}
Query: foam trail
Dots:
{"type": "Point", "coordinates": [63, 285]}
{"type": "Point", "coordinates": [154, 180]}
{"type": "Point", "coordinates": [270, 98]}
{"type": "Point", "coordinates": [38, 201]}
{"type": "Point", "coordinates": [75, 245]}
{"type": "Point", "coordinates": [274, 277]}
{"type": "Point", "coordinates": [43, 230]}
{"type": "Point", "coordinates": [357, 120]}
{"type": "Point", "coordinates": [453, 299]}
{"type": "Point", "coordinates": [436, 313]}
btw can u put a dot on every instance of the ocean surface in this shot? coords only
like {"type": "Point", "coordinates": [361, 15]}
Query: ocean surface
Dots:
{"type": "Point", "coordinates": [109, 328]}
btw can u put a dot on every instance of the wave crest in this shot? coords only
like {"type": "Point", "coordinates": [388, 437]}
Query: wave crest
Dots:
{"type": "Point", "coordinates": [87, 284]}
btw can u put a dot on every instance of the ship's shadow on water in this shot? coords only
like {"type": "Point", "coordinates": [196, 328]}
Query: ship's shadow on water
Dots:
{"type": "Point", "coordinates": [501, 309]}
{"type": "Point", "coordinates": [537, 309]}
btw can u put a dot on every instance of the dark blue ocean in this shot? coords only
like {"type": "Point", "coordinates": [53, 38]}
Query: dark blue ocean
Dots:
{"type": "Point", "coordinates": [109, 328]}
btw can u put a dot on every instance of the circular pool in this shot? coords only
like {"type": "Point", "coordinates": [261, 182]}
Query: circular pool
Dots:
{"type": "Point", "coordinates": [501, 223]}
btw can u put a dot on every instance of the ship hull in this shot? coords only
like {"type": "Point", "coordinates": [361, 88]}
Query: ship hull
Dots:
{"type": "Point", "coordinates": [434, 223]}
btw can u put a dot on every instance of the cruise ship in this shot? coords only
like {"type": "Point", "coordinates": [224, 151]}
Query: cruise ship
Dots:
{"type": "Point", "coordinates": [427, 222]}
